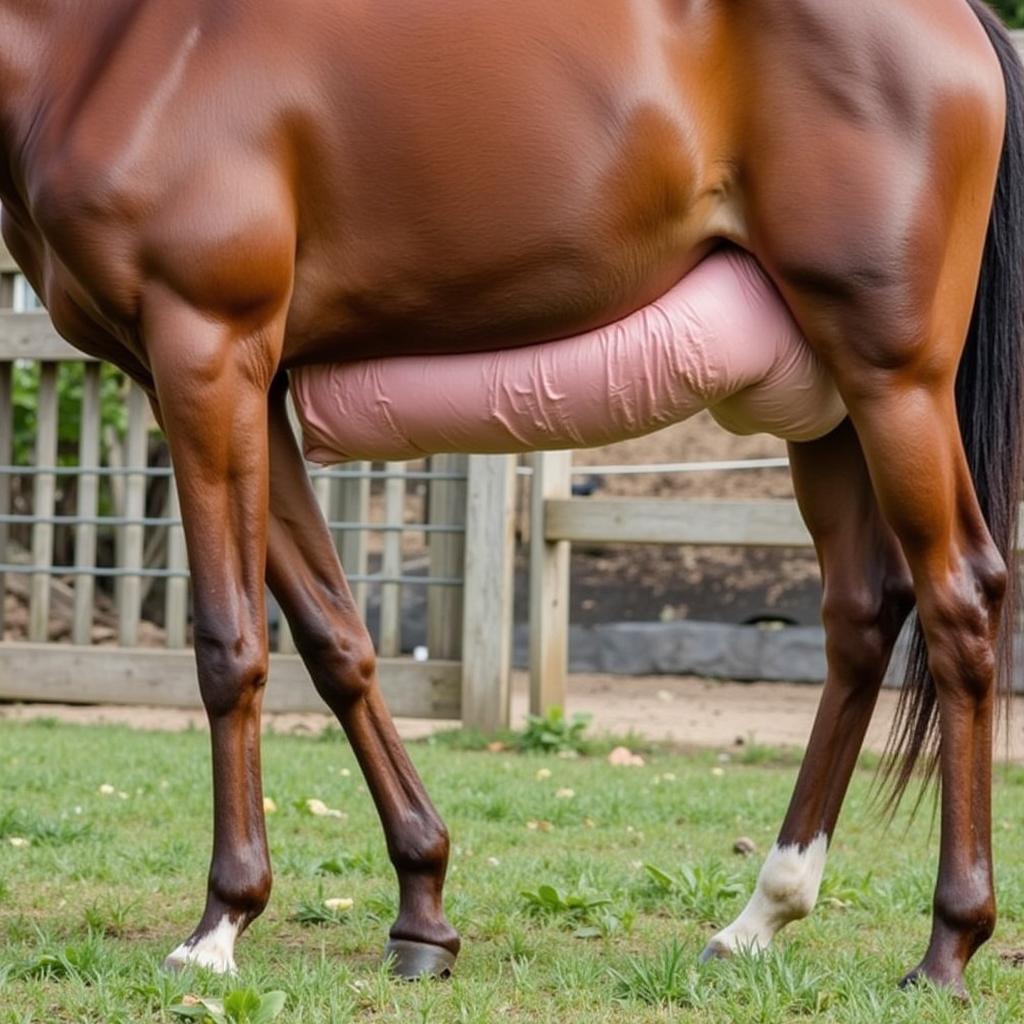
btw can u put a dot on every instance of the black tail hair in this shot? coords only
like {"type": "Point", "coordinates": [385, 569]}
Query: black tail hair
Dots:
{"type": "Point", "coordinates": [990, 407]}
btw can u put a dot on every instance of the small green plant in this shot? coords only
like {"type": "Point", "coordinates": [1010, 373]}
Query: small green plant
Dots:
{"type": "Point", "coordinates": [670, 978]}
{"type": "Point", "coordinates": [701, 891]}
{"type": "Point", "coordinates": [843, 893]}
{"type": "Point", "coordinates": [345, 863]}
{"type": "Point", "coordinates": [82, 961]}
{"type": "Point", "coordinates": [242, 1006]}
{"type": "Point", "coordinates": [108, 918]}
{"type": "Point", "coordinates": [553, 733]}
{"type": "Point", "coordinates": [322, 911]}
{"type": "Point", "coordinates": [585, 909]}
{"type": "Point", "coordinates": [40, 832]}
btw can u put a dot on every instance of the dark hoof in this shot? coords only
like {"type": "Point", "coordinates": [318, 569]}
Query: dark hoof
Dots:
{"type": "Point", "coordinates": [714, 951]}
{"type": "Point", "coordinates": [919, 976]}
{"type": "Point", "coordinates": [413, 960]}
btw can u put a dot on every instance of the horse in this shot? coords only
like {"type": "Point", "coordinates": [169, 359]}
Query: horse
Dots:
{"type": "Point", "coordinates": [212, 194]}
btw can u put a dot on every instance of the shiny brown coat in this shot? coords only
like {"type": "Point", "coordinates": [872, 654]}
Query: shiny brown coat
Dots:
{"type": "Point", "coordinates": [208, 192]}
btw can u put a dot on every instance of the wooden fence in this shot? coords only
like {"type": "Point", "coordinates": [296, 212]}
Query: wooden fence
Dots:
{"type": "Point", "coordinates": [109, 504]}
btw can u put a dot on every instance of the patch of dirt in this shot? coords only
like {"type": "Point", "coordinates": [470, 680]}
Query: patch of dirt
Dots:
{"type": "Point", "coordinates": [683, 711]}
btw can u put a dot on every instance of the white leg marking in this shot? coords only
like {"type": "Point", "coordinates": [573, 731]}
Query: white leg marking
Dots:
{"type": "Point", "coordinates": [215, 950]}
{"type": "Point", "coordinates": [787, 889]}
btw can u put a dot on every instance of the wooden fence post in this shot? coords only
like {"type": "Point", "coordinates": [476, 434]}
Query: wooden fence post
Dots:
{"type": "Point", "coordinates": [43, 502]}
{"type": "Point", "coordinates": [487, 594]}
{"type": "Point", "coordinates": [549, 586]}
{"type": "Point", "coordinates": [176, 594]}
{"type": "Point", "coordinates": [88, 494]}
{"type": "Point", "coordinates": [389, 643]}
{"type": "Point", "coordinates": [446, 506]}
{"type": "Point", "coordinates": [6, 458]}
{"type": "Point", "coordinates": [352, 505]}
{"type": "Point", "coordinates": [129, 603]}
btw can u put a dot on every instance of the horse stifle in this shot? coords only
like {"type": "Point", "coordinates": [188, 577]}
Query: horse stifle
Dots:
{"type": "Point", "coordinates": [212, 193]}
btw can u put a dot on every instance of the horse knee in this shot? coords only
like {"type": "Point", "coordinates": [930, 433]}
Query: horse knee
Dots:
{"type": "Point", "coordinates": [343, 667]}
{"type": "Point", "coordinates": [232, 669]}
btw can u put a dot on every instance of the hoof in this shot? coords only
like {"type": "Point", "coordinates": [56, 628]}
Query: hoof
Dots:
{"type": "Point", "coordinates": [919, 976]}
{"type": "Point", "coordinates": [414, 960]}
{"type": "Point", "coordinates": [715, 951]}
{"type": "Point", "coordinates": [176, 963]}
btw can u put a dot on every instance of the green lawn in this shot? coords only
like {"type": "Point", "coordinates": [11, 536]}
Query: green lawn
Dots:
{"type": "Point", "coordinates": [108, 883]}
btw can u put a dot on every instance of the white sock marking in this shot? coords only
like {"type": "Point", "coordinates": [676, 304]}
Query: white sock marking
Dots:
{"type": "Point", "coordinates": [787, 889]}
{"type": "Point", "coordinates": [214, 950]}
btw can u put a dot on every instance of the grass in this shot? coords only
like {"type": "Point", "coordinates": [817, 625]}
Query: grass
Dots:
{"type": "Point", "coordinates": [583, 909]}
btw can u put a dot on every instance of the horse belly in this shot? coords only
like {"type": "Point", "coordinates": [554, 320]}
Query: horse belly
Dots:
{"type": "Point", "coordinates": [721, 339]}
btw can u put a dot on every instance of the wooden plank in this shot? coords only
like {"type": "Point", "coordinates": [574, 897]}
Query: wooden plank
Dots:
{"type": "Point", "coordinates": [43, 501]}
{"type": "Point", "coordinates": [390, 639]}
{"type": "Point", "coordinates": [352, 502]}
{"type": "Point", "coordinates": [446, 552]}
{"type": "Point", "coordinates": [668, 521]}
{"type": "Point", "coordinates": [549, 586]}
{"type": "Point", "coordinates": [487, 609]}
{"type": "Point", "coordinates": [110, 675]}
{"type": "Point", "coordinates": [86, 507]}
{"type": "Point", "coordinates": [176, 592]}
{"type": "Point", "coordinates": [129, 594]}
{"type": "Point", "coordinates": [6, 446]}
{"type": "Point", "coordinates": [31, 336]}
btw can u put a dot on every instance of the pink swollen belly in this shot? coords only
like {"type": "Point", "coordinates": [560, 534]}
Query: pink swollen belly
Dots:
{"type": "Point", "coordinates": [721, 339]}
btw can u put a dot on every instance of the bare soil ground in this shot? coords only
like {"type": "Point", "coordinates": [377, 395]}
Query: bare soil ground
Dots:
{"type": "Point", "coordinates": [683, 711]}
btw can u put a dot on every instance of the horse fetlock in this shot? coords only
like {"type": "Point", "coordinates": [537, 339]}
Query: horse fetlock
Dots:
{"type": "Point", "coordinates": [239, 888]}
{"type": "Point", "coordinates": [969, 912]}
{"type": "Point", "coordinates": [422, 921]}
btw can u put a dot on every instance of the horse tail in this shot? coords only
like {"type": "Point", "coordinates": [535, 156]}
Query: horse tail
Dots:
{"type": "Point", "coordinates": [989, 403]}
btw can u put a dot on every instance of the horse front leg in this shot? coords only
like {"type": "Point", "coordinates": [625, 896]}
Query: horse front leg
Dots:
{"type": "Point", "coordinates": [211, 381]}
{"type": "Point", "coordinates": [867, 595]}
{"type": "Point", "coordinates": [308, 582]}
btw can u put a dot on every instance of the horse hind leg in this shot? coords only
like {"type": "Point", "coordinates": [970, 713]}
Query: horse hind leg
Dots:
{"type": "Point", "coordinates": [867, 596]}
{"type": "Point", "coordinates": [892, 332]}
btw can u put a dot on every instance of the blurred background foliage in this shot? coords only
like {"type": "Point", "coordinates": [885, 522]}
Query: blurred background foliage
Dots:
{"type": "Point", "coordinates": [1012, 12]}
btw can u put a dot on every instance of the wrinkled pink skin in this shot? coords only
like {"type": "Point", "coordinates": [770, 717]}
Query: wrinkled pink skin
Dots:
{"type": "Point", "coordinates": [721, 339]}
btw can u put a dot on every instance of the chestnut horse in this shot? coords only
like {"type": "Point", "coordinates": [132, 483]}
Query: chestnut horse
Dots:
{"type": "Point", "coordinates": [209, 193]}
